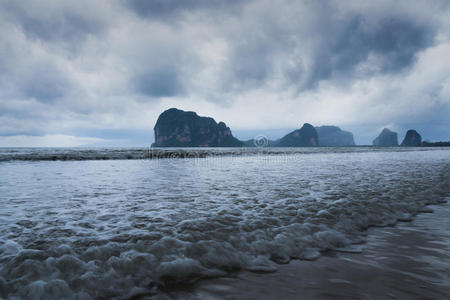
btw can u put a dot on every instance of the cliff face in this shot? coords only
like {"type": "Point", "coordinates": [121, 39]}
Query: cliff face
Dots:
{"type": "Point", "coordinates": [333, 136]}
{"type": "Point", "coordinates": [303, 137]}
{"type": "Point", "coordinates": [412, 139]}
{"type": "Point", "coordinates": [178, 128]}
{"type": "Point", "coordinates": [386, 138]}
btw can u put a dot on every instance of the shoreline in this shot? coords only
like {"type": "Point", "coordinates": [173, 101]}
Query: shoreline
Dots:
{"type": "Point", "coordinates": [410, 260]}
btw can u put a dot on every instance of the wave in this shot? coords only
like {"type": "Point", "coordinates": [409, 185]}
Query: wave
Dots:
{"type": "Point", "coordinates": [78, 154]}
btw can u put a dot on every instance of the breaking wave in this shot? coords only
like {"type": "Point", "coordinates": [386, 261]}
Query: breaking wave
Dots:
{"type": "Point", "coordinates": [97, 153]}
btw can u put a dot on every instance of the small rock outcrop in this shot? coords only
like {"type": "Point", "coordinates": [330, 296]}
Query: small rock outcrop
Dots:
{"type": "Point", "coordinates": [178, 128]}
{"type": "Point", "coordinates": [412, 139]}
{"type": "Point", "coordinates": [333, 136]}
{"type": "Point", "coordinates": [386, 138]}
{"type": "Point", "coordinates": [303, 137]}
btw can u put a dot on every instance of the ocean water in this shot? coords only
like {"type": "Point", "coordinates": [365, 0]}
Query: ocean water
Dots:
{"type": "Point", "coordinates": [105, 223]}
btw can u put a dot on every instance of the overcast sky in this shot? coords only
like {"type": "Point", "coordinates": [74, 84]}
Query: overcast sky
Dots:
{"type": "Point", "coordinates": [88, 72]}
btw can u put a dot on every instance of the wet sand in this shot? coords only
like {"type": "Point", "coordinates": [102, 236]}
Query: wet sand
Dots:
{"type": "Point", "coordinates": [410, 260]}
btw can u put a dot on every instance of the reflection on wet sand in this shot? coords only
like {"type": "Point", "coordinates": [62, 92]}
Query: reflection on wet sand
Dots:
{"type": "Point", "coordinates": [407, 261]}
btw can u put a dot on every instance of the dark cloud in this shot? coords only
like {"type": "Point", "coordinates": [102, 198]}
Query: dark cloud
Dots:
{"type": "Point", "coordinates": [395, 40]}
{"type": "Point", "coordinates": [44, 83]}
{"type": "Point", "coordinates": [340, 45]}
{"type": "Point", "coordinates": [25, 73]}
{"type": "Point", "coordinates": [252, 63]}
{"type": "Point", "coordinates": [164, 81]}
{"type": "Point", "coordinates": [163, 9]}
{"type": "Point", "coordinates": [61, 22]}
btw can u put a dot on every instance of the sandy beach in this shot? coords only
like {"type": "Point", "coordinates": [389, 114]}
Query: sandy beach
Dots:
{"type": "Point", "coordinates": [410, 260]}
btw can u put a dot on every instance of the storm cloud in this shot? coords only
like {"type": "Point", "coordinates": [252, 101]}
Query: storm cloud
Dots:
{"type": "Point", "coordinates": [79, 67]}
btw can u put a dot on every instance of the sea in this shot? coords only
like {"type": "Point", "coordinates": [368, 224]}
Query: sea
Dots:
{"type": "Point", "coordinates": [146, 223]}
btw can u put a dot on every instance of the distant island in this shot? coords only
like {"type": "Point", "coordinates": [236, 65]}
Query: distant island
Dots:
{"type": "Point", "coordinates": [304, 137]}
{"type": "Point", "coordinates": [179, 128]}
{"type": "Point", "coordinates": [386, 138]}
{"type": "Point", "coordinates": [436, 144]}
{"type": "Point", "coordinates": [412, 139]}
{"type": "Point", "coordinates": [333, 136]}
{"type": "Point", "coordinates": [309, 136]}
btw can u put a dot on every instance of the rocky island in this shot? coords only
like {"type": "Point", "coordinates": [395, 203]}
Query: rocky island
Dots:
{"type": "Point", "coordinates": [304, 137]}
{"type": "Point", "coordinates": [333, 136]}
{"type": "Point", "coordinates": [412, 139]}
{"type": "Point", "coordinates": [178, 128]}
{"type": "Point", "coordinates": [386, 138]}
